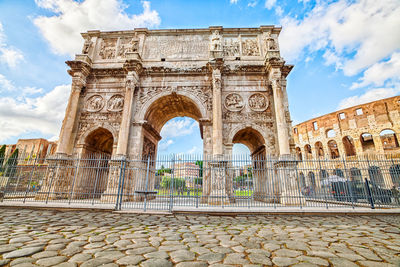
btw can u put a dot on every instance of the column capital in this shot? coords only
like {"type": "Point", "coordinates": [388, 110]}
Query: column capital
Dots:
{"type": "Point", "coordinates": [133, 65]}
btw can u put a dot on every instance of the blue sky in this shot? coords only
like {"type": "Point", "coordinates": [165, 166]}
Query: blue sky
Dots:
{"type": "Point", "coordinates": [345, 53]}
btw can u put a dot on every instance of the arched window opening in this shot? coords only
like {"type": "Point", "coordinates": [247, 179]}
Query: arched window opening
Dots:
{"type": "Point", "coordinates": [375, 175]}
{"type": "Point", "coordinates": [330, 133]}
{"type": "Point", "coordinates": [302, 179]}
{"type": "Point", "coordinates": [338, 172]}
{"type": "Point", "coordinates": [389, 140]}
{"type": "Point", "coordinates": [307, 151]}
{"type": "Point", "coordinates": [311, 176]}
{"type": "Point", "coordinates": [298, 153]}
{"type": "Point", "coordinates": [323, 174]}
{"type": "Point", "coordinates": [349, 147]}
{"type": "Point", "coordinates": [333, 149]}
{"type": "Point", "coordinates": [394, 171]}
{"type": "Point", "coordinates": [367, 142]}
{"type": "Point", "coordinates": [319, 149]}
{"type": "Point", "coordinates": [355, 174]}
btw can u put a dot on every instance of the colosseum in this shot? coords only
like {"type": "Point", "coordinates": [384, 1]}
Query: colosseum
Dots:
{"type": "Point", "coordinates": [354, 143]}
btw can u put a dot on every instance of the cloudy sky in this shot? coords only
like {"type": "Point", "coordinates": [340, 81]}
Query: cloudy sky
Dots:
{"type": "Point", "coordinates": [345, 53]}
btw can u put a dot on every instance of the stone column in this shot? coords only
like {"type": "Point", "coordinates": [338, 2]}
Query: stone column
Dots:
{"type": "Point", "coordinates": [219, 174]}
{"type": "Point", "coordinates": [217, 112]}
{"type": "Point", "coordinates": [281, 125]}
{"type": "Point", "coordinates": [65, 144]}
{"type": "Point", "coordinates": [378, 144]}
{"type": "Point", "coordinates": [132, 81]}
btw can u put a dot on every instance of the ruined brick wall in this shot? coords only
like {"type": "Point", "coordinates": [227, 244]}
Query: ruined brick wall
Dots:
{"type": "Point", "coordinates": [364, 129]}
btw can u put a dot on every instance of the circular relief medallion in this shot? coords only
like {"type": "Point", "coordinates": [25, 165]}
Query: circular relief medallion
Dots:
{"type": "Point", "coordinates": [258, 102]}
{"type": "Point", "coordinates": [234, 102]}
{"type": "Point", "coordinates": [115, 103]}
{"type": "Point", "coordinates": [94, 103]}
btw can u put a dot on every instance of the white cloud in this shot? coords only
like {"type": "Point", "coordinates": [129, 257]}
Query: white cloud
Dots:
{"type": "Point", "coordinates": [163, 145]}
{"type": "Point", "coordinates": [357, 34]}
{"type": "Point", "coordinates": [194, 150]}
{"type": "Point", "coordinates": [179, 127]}
{"type": "Point", "coordinates": [62, 30]}
{"type": "Point", "coordinates": [5, 84]}
{"type": "Point", "coordinates": [381, 72]}
{"type": "Point", "coordinates": [43, 114]}
{"type": "Point", "coordinates": [269, 4]}
{"type": "Point", "coordinates": [369, 96]}
{"type": "Point", "coordinates": [252, 3]}
{"type": "Point", "coordinates": [278, 11]}
{"type": "Point", "coordinates": [8, 55]}
{"type": "Point", "coordinates": [233, 1]}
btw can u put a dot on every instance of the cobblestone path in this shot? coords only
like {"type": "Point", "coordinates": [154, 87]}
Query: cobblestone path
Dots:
{"type": "Point", "coordinates": [83, 238]}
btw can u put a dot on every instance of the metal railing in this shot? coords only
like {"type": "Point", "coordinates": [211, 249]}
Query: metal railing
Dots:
{"type": "Point", "coordinates": [199, 181]}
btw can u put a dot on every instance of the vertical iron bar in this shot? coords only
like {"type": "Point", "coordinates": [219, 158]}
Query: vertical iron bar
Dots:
{"type": "Point", "coordinates": [146, 186]}
{"type": "Point", "coordinates": [30, 179]}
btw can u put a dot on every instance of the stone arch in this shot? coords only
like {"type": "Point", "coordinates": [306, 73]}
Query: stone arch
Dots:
{"type": "Point", "coordinates": [349, 147]}
{"type": "Point", "coordinates": [299, 154]}
{"type": "Point", "coordinates": [376, 176]}
{"type": "Point", "coordinates": [333, 149]}
{"type": "Point", "coordinates": [250, 137]}
{"type": "Point", "coordinates": [330, 133]}
{"type": "Point", "coordinates": [105, 126]}
{"type": "Point", "coordinates": [389, 140]}
{"type": "Point", "coordinates": [367, 142]}
{"type": "Point", "coordinates": [175, 97]}
{"type": "Point", "coordinates": [307, 151]}
{"type": "Point", "coordinates": [161, 108]}
{"type": "Point", "coordinates": [98, 140]}
{"type": "Point", "coordinates": [319, 149]}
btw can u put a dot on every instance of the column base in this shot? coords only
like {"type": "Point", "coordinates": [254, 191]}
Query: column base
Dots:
{"type": "Point", "coordinates": [292, 198]}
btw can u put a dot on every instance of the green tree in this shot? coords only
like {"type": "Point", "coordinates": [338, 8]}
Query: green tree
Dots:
{"type": "Point", "coordinates": [2, 156]}
{"type": "Point", "coordinates": [11, 164]}
{"type": "Point", "coordinates": [200, 164]}
{"type": "Point", "coordinates": [176, 183]}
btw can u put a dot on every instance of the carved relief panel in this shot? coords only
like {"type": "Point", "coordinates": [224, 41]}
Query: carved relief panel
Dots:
{"type": "Point", "coordinates": [107, 49]}
{"type": "Point", "coordinates": [94, 103]}
{"type": "Point", "coordinates": [250, 46]}
{"type": "Point", "coordinates": [235, 46]}
{"type": "Point", "coordinates": [258, 102]}
{"type": "Point", "coordinates": [127, 45]}
{"type": "Point", "coordinates": [115, 103]}
{"type": "Point", "coordinates": [234, 102]}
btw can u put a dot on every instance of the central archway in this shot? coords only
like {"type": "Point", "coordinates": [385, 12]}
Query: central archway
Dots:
{"type": "Point", "coordinates": [162, 109]}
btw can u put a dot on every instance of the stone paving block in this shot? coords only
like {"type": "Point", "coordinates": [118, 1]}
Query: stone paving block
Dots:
{"type": "Point", "coordinates": [182, 255]}
{"type": "Point", "coordinates": [51, 261]}
{"type": "Point", "coordinates": [156, 263]}
{"type": "Point", "coordinates": [22, 252]}
{"type": "Point", "coordinates": [131, 260]}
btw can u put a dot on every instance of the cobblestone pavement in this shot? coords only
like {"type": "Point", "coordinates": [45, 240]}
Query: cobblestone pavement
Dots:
{"type": "Point", "coordinates": [84, 238]}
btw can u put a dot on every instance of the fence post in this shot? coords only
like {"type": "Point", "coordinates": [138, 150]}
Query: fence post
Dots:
{"type": "Point", "coordinates": [119, 191]}
{"type": "Point", "coordinates": [349, 183]}
{"type": "Point", "coordinates": [147, 182]}
{"type": "Point", "coordinates": [298, 187]}
{"type": "Point", "coordinates": [77, 166]}
{"type": "Point", "coordinates": [171, 200]}
{"type": "Point", "coordinates": [30, 179]}
{"type": "Point", "coordinates": [368, 191]}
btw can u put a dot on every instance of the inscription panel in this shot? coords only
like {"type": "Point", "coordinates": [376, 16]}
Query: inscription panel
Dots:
{"type": "Point", "coordinates": [176, 47]}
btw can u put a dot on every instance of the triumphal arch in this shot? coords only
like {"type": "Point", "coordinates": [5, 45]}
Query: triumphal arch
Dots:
{"type": "Point", "coordinates": [127, 84]}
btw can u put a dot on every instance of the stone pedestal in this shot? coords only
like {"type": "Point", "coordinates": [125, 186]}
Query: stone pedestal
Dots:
{"type": "Point", "coordinates": [116, 168]}
{"type": "Point", "coordinates": [285, 170]}
{"type": "Point", "coordinates": [221, 184]}
{"type": "Point", "coordinates": [59, 178]}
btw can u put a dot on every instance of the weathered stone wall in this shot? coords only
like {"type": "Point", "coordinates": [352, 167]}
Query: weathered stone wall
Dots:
{"type": "Point", "coordinates": [376, 117]}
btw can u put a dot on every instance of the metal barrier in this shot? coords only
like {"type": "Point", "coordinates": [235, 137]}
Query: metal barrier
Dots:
{"type": "Point", "coordinates": [193, 182]}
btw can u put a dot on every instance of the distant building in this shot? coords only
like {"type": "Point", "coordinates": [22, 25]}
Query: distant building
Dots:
{"type": "Point", "coordinates": [371, 128]}
{"type": "Point", "coordinates": [29, 149]}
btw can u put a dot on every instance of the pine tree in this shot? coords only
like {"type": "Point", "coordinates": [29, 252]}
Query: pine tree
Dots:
{"type": "Point", "coordinates": [2, 155]}
{"type": "Point", "coordinates": [11, 165]}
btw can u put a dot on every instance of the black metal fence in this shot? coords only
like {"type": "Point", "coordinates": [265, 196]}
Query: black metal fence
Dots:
{"type": "Point", "coordinates": [195, 182]}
